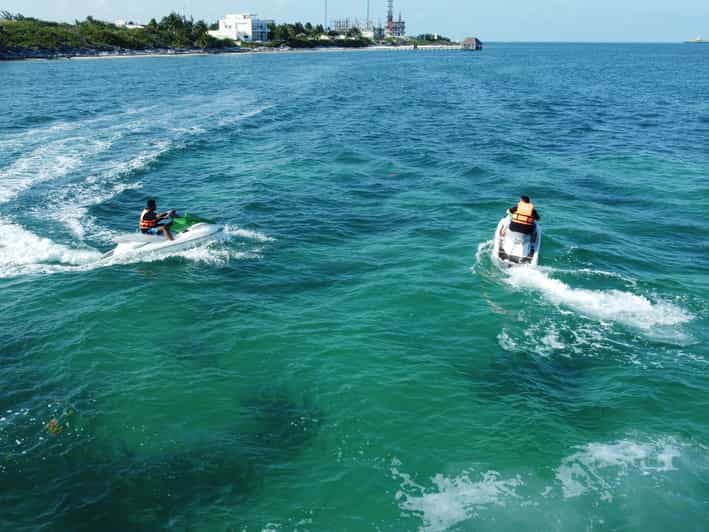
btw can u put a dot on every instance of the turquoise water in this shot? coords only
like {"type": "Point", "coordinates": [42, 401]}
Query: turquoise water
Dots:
{"type": "Point", "coordinates": [348, 357]}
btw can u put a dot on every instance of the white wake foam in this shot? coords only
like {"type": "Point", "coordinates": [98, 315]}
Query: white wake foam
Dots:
{"type": "Point", "coordinates": [70, 204]}
{"type": "Point", "coordinates": [451, 501]}
{"type": "Point", "coordinates": [48, 162]}
{"type": "Point", "coordinates": [608, 305]}
{"type": "Point", "coordinates": [598, 467]}
{"type": "Point", "coordinates": [23, 252]}
{"type": "Point", "coordinates": [484, 250]}
{"type": "Point", "coordinates": [598, 470]}
{"type": "Point", "coordinates": [213, 253]}
{"type": "Point", "coordinates": [230, 230]}
{"type": "Point", "coordinates": [235, 118]}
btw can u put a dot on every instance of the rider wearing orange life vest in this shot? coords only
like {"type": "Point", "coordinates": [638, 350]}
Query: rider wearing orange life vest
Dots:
{"type": "Point", "coordinates": [149, 222]}
{"type": "Point", "coordinates": [523, 216]}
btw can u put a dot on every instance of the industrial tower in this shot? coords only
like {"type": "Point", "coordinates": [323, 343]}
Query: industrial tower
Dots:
{"type": "Point", "coordinates": [390, 17]}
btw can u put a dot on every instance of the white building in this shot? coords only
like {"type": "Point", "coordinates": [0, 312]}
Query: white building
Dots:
{"type": "Point", "coordinates": [242, 27]}
{"type": "Point", "coordinates": [121, 23]}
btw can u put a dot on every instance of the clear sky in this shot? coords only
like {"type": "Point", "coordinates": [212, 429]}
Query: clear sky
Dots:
{"type": "Point", "coordinates": [500, 20]}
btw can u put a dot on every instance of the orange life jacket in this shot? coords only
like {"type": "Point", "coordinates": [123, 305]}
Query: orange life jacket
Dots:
{"type": "Point", "coordinates": [524, 213]}
{"type": "Point", "coordinates": [147, 223]}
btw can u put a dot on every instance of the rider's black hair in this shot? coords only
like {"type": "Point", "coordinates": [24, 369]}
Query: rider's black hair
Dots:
{"type": "Point", "coordinates": [151, 203]}
{"type": "Point", "coordinates": [525, 199]}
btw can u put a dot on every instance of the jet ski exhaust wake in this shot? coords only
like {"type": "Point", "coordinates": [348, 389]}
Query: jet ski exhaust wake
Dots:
{"type": "Point", "coordinates": [518, 254]}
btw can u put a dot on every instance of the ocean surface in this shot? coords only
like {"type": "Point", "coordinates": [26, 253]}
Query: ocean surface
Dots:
{"type": "Point", "coordinates": [348, 356]}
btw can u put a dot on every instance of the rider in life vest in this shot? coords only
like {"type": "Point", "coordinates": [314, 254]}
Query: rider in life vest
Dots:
{"type": "Point", "coordinates": [523, 216]}
{"type": "Point", "coordinates": [150, 221]}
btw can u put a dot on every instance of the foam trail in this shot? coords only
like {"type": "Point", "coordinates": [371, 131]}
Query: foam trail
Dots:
{"type": "Point", "coordinates": [211, 252]}
{"type": "Point", "coordinates": [484, 248]}
{"type": "Point", "coordinates": [453, 501]}
{"type": "Point", "coordinates": [23, 252]}
{"type": "Point", "coordinates": [248, 114]}
{"type": "Point", "coordinates": [48, 162]}
{"type": "Point", "coordinates": [607, 305]}
{"type": "Point", "coordinates": [247, 233]}
{"type": "Point", "coordinates": [600, 471]}
{"type": "Point", "coordinates": [598, 466]}
{"type": "Point", "coordinates": [71, 203]}
{"type": "Point", "coordinates": [589, 272]}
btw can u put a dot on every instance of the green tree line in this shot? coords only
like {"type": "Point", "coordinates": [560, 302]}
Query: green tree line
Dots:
{"type": "Point", "coordinates": [173, 31]}
{"type": "Point", "coordinates": [430, 38]}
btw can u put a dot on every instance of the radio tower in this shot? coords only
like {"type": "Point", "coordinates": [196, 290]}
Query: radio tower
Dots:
{"type": "Point", "coordinates": [390, 17]}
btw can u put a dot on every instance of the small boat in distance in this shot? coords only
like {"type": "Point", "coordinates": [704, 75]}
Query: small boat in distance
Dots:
{"type": "Point", "coordinates": [697, 40]}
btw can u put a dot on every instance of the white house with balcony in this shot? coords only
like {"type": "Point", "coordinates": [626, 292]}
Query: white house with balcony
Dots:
{"type": "Point", "coordinates": [242, 27]}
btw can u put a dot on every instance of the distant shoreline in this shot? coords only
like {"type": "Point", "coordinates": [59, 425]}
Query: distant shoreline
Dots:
{"type": "Point", "coordinates": [52, 56]}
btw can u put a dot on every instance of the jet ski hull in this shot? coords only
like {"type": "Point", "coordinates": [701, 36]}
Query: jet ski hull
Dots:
{"type": "Point", "coordinates": [512, 248]}
{"type": "Point", "coordinates": [139, 243]}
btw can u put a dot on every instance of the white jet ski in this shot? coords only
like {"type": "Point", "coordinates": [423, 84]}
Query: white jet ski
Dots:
{"type": "Point", "coordinates": [512, 247]}
{"type": "Point", "coordinates": [188, 231]}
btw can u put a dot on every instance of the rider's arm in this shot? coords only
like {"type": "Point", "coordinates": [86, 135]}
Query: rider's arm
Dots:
{"type": "Point", "coordinates": [535, 214]}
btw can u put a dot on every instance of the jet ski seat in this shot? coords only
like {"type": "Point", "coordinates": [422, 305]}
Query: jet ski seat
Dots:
{"type": "Point", "coordinates": [522, 228]}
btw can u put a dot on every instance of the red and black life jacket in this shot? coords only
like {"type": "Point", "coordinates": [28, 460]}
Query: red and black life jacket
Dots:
{"type": "Point", "coordinates": [148, 220]}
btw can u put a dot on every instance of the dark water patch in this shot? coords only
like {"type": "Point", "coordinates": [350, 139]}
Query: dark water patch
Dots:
{"type": "Point", "coordinates": [282, 425]}
{"type": "Point", "coordinates": [90, 483]}
{"type": "Point", "coordinates": [370, 190]}
{"type": "Point", "coordinates": [559, 387]}
{"type": "Point", "coordinates": [128, 492]}
{"type": "Point", "coordinates": [189, 351]}
{"type": "Point", "coordinates": [350, 157]}
{"type": "Point", "coordinates": [476, 171]}
{"type": "Point", "coordinates": [515, 156]}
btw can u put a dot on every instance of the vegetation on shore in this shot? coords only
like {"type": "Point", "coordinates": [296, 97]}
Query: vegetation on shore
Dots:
{"type": "Point", "coordinates": [26, 37]}
{"type": "Point", "coordinates": [173, 31]}
{"type": "Point", "coordinates": [432, 39]}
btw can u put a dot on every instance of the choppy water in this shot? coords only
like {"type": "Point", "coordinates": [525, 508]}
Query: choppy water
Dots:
{"type": "Point", "coordinates": [348, 357]}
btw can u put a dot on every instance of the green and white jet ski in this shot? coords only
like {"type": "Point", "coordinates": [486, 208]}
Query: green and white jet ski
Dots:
{"type": "Point", "coordinates": [189, 231]}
